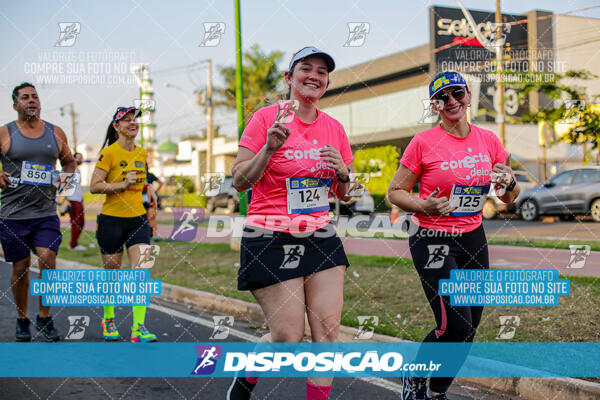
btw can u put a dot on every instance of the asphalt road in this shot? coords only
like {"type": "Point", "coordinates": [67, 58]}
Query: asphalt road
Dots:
{"type": "Point", "coordinates": [176, 324]}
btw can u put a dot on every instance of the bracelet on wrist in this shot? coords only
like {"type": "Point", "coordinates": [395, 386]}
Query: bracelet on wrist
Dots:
{"type": "Point", "coordinates": [344, 180]}
{"type": "Point", "coordinates": [512, 185]}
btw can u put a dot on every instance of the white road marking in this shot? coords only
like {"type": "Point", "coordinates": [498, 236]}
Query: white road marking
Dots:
{"type": "Point", "coordinates": [380, 382]}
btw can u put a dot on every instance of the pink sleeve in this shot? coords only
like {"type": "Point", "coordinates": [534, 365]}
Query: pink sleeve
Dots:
{"type": "Point", "coordinates": [412, 156]}
{"type": "Point", "coordinates": [255, 133]}
{"type": "Point", "coordinates": [345, 150]}
{"type": "Point", "coordinates": [499, 152]}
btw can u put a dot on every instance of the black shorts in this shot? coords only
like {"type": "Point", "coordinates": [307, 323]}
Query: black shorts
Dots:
{"type": "Point", "coordinates": [114, 232]}
{"type": "Point", "coordinates": [270, 257]}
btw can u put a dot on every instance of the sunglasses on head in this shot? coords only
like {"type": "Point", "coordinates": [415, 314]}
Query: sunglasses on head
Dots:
{"type": "Point", "coordinates": [458, 93]}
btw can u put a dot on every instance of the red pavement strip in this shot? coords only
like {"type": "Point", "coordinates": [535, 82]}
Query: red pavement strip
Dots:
{"type": "Point", "coordinates": [500, 256]}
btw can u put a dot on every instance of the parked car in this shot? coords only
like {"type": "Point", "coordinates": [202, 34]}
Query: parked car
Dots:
{"type": "Point", "coordinates": [569, 193]}
{"type": "Point", "coordinates": [227, 197]}
{"type": "Point", "coordinates": [493, 205]}
{"type": "Point", "coordinates": [364, 204]}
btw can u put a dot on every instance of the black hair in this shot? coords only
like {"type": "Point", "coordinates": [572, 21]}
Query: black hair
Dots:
{"type": "Point", "coordinates": [111, 136]}
{"type": "Point", "coordinates": [15, 92]}
{"type": "Point", "coordinates": [75, 154]}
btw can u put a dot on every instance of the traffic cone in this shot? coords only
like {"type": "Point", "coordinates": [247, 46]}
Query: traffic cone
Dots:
{"type": "Point", "coordinates": [395, 213]}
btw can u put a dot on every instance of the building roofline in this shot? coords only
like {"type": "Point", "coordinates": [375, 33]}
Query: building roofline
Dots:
{"type": "Point", "coordinates": [380, 69]}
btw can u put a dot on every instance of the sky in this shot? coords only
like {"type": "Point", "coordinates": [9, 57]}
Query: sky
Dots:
{"type": "Point", "coordinates": [167, 35]}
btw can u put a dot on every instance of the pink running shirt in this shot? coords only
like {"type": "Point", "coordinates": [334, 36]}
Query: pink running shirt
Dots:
{"type": "Point", "coordinates": [442, 160]}
{"type": "Point", "coordinates": [298, 157]}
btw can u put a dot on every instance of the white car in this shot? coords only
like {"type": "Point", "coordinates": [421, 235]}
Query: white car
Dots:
{"type": "Point", "coordinates": [493, 205]}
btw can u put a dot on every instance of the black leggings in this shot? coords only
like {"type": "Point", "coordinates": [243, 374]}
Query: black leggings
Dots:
{"type": "Point", "coordinates": [434, 254]}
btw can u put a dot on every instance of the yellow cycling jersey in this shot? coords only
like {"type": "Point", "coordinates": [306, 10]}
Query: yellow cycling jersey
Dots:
{"type": "Point", "coordinates": [117, 162]}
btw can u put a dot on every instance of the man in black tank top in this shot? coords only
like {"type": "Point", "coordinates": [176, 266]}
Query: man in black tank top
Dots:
{"type": "Point", "coordinates": [29, 149]}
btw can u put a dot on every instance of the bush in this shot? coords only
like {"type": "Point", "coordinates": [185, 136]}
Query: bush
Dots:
{"type": "Point", "coordinates": [381, 204]}
{"type": "Point", "coordinates": [188, 185]}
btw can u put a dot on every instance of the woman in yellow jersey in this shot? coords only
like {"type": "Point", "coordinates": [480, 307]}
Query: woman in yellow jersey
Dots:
{"type": "Point", "coordinates": [120, 173]}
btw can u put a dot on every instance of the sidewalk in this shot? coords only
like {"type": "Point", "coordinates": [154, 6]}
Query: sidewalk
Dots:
{"type": "Point", "coordinates": [500, 256]}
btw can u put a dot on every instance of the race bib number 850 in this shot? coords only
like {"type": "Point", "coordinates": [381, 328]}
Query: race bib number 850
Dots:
{"type": "Point", "coordinates": [36, 174]}
{"type": "Point", "coordinates": [307, 195]}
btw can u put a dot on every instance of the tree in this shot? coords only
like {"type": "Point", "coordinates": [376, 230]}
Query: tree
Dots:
{"type": "Point", "coordinates": [260, 75]}
{"type": "Point", "coordinates": [579, 116]}
{"type": "Point", "coordinates": [380, 163]}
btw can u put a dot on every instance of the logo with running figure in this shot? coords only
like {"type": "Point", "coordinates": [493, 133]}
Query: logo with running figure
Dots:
{"type": "Point", "coordinates": [212, 34]}
{"type": "Point", "coordinates": [207, 359]}
{"type": "Point", "coordinates": [573, 110]}
{"type": "Point", "coordinates": [366, 327]}
{"type": "Point", "coordinates": [211, 183]}
{"type": "Point", "coordinates": [431, 114]}
{"type": "Point", "coordinates": [186, 224]}
{"type": "Point", "coordinates": [357, 33]}
{"type": "Point", "coordinates": [148, 254]}
{"type": "Point", "coordinates": [77, 325]}
{"type": "Point", "coordinates": [221, 328]}
{"type": "Point", "coordinates": [68, 33]}
{"type": "Point", "coordinates": [437, 255]}
{"type": "Point", "coordinates": [508, 326]}
{"type": "Point", "coordinates": [291, 256]}
{"type": "Point", "coordinates": [579, 254]}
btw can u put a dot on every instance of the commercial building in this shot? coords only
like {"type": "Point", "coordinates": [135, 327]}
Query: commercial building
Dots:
{"type": "Point", "coordinates": [384, 101]}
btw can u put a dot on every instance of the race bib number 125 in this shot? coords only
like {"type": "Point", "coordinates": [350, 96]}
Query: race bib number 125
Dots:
{"type": "Point", "coordinates": [468, 199]}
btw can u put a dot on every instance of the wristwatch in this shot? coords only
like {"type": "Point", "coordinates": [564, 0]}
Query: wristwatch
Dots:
{"type": "Point", "coordinates": [512, 185]}
{"type": "Point", "coordinates": [344, 180]}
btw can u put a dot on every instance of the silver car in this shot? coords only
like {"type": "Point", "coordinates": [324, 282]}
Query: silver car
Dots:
{"type": "Point", "coordinates": [493, 205]}
{"type": "Point", "coordinates": [569, 193]}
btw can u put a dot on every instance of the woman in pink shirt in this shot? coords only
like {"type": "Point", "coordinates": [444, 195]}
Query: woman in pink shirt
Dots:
{"type": "Point", "coordinates": [455, 163]}
{"type": "Point", "coordinates": [293, 156]}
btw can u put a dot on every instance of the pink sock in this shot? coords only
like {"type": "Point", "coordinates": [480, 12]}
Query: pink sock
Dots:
{"type": "Point", "coordinates": [315, 392]}
{"type": "Point", "coordinates": [252, 380]}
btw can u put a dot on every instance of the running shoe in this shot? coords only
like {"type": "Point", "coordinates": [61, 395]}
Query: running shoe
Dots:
{"type": "Point", "coordinates": [79, 247]}
{"type": "Point", "coordinates": [413, 388]}
{"type": "Point", "coordinates": [23, 334]}
{"type": "Point", "coordinates": [440, 396]}
{"type": "Point", "coordinates": [109, 330]}
{"type": "Point", "coordinates": [141, 334]}
{"type": "Point", "coordinates": [46, 327]}
{"type": "Point", "coordinates": [240, 389]}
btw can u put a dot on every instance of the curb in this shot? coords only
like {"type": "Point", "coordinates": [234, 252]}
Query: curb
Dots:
{"type": "Point", "coordinates": [527, 388]}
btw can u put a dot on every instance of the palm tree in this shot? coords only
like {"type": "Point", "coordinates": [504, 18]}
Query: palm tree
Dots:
{"type": "Point", "coordinates": [261, 78]}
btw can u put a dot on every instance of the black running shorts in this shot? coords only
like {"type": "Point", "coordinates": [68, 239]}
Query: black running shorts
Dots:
{"type": "Point", "coordinates": [269, 257]}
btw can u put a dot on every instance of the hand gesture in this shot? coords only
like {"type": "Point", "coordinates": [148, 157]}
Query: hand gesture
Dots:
{"type": "Point", "coordinates": [333, 159]}
{"type": "Point", "coordinates": [502, 176]}
{"type": "Point", "coordinates": [277, 134]}
{"type": "Point", "coordinates": [130, 178]}
{"type": "Point", "coordinates": [4, 181]}
{"type": "Point", "coordinates": [434, 205]}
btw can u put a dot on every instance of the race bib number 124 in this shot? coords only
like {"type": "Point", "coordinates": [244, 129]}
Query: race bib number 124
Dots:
{"type": "Point", "coordinates": [307, 195]}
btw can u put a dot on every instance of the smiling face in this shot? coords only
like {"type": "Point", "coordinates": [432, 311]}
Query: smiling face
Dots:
{"type": "Point", "coordinates": [309, 79]}
{"type": "Point", "coordinates": [453, 109]}
{"type": "Point", "coordinates": [127, 126]}
{"type": "Point", "coordinates": [28, 104]}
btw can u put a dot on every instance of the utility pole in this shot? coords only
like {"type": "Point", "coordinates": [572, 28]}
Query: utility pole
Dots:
{"type": "Point", "coordinates": [239, 91]}
{"type": "Point", "coordinates": [73, 116]}
{"type": "Point", "coordinates": [500, 85]}
{"type": "Point", "coordinates": [208, 103]}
